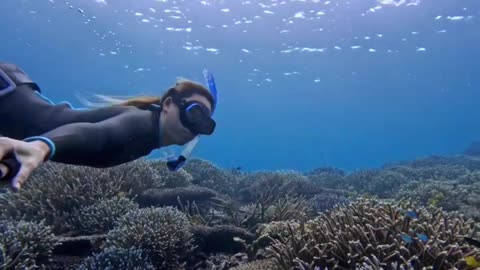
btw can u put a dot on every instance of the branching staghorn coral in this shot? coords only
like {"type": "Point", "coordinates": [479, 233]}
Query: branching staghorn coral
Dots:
{"type": "Point", "coordinates": [171, 197]}
{"type": "Point", "coordinates": [101, 216]}
{"type": "Point", "coordinates": [267, 187]}
{"type": "Point", "coordinates": [381, 183]}
{"type": "Point", "coordinates": [273, 196]}
{"type": "Point", "coordinates": [205, 215]}
{"type": "Point", "coordinates": [25, 245]}
{"type": "Point", "coordinates": [266, 233]}
{"type": "Point", "coordinates": [220, 261]}
{"type": "Point", "coordinates": [56, 191]}
{"type": "Point", "coordinates": [118, 258]}
{"type": "Point", "coordinates": [284, 208]}
{"type": "Point", "coordinates": [206, 174]}
{"type": "Point", "coordinates": [354, 236]}
{"type": "Point", "coordinates": [434, 172]}
{"type": "Point", "coordinates": [469, 178]}
{"type": "Point", "coordinates": [265, 264]}
{"type": "Point", "coordinates": [163, 233]}
{"type": "Point", "coordinates": [469, 162]}
{"type": "Point", "coordinates": [289, 208]}
{"type": "Point", "coordinates": [325, 175]}
{"type": "Point", "coordinates": [325, 201]}
{"type": "Point", "coordinates": [451, 195]}
{"type": "Point", "coordinates": [168, 179]}
{"type": "Point", "coordinates": [435, 193]}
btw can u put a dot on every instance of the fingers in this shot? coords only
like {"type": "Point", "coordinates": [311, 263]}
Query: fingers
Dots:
{"type": "Point", "coordinates": [22, 176]}
{"type": "Point", "coordinates": [3, 170]}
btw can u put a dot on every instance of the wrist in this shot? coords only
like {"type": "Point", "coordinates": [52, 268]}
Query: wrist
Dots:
{"type": "Point", "coordinates": [43, 147]}
{"type": "Point", "coordinates": [47, 142]}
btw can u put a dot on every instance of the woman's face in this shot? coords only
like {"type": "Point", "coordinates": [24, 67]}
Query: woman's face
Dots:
{"type": "Point", "coordinates": [176, 131]}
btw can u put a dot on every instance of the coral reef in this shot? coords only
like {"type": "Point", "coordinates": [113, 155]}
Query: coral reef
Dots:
{"type": "Point", "coordinates": [118, 258]}
{"type": "Point", "coordinates": [376, 234]}
{"type": "Point", "coordinates": [142, 216]}
{"type": "Point", "coordinates": [163, 233]}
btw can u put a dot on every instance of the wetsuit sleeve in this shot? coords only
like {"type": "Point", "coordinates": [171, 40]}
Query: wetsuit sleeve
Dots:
{"type": "Point", "coordinates": [117, 140]}
{"type": "Point", "coordinates": [25, 113]}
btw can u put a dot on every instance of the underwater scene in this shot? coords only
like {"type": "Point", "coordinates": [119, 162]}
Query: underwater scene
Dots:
{"type": "Point", "coordinates": [243, 135]}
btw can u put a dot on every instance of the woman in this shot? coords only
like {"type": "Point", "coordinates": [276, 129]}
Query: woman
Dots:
{"type": "Point", "coordinates": [100, 137]}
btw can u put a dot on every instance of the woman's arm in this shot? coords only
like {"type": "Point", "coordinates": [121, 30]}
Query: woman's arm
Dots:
{"type": "Point", "coordinates": [123, 138]}
{"type": "Point", "coordinates": [120, 139]}
{"type": "Point", "coordinates": [25, 113]}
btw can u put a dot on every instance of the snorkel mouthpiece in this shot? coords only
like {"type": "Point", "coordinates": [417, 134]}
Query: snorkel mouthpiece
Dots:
{"type": "Point", "coordinates": [174, 164]}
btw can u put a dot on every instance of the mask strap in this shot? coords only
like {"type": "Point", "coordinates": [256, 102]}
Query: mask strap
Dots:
{"type": "Point", "coordinates": [7, 85]}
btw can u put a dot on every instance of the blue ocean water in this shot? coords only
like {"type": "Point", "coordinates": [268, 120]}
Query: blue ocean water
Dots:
{"type": "Point", "coordinates": [302, 83]}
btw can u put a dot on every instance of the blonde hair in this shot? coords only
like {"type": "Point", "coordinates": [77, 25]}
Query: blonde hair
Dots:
{"type": "Point", "coordinates": [183, 88]}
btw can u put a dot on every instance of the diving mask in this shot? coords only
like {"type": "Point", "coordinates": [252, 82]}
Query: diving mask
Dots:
{"type": "Point", "coordinates": [196, 117]}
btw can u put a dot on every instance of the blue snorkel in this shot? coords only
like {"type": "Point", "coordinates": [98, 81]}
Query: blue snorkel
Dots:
{"type": "Point", "coordinates": [210, 81]}
{"type": "Point", "coordinates": [174, 164]}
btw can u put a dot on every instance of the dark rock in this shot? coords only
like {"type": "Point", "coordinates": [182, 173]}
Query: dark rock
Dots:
{"type": "Point", "coordinates": [221, 238]}
{"type": "Point", "coordinates": [79, 246]}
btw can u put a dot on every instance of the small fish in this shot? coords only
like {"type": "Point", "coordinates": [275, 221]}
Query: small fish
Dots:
{"type": "Point", "coordinates": [472, 241]}
{"type": "Point", "coordinates": [411, 214]}
{"type": "Point", "coordinates": [238, 239]}
{"type": "Point", "coordinates": [422, 237]}
{"type": "Point", "coordinates": [406, 238]}
{"type": "Point", "coordinates": [472, 261]}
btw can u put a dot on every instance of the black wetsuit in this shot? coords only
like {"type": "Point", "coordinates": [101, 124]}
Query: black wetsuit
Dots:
{"type": "Point", "coordinates": [100, 137]}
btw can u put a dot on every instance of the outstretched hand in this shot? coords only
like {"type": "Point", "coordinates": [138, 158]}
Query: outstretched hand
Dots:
{"type": "Point", "coordinates": [30, 155]}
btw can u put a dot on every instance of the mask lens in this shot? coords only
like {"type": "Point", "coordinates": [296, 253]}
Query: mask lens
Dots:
{"type": "Point", "coordinates": [3, 83]}
{"type": "Point", "coordinates": [199, 120]}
